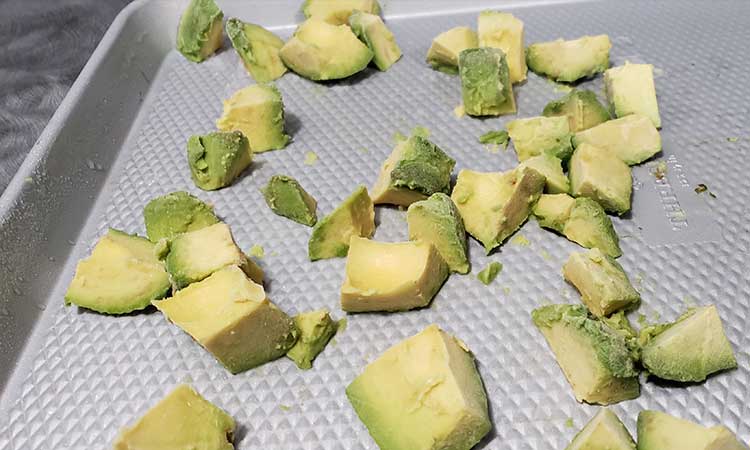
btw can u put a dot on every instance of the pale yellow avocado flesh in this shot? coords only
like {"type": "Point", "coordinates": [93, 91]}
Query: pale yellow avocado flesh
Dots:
{"type": "Point", "coordinates": [604, 431]}
{"type": "Point", "coordinates": [632, 138]}
{"type": "Point", "coordinates": [504, 31]}
{"type": "Point", "coordinates": [258, 112]}
{"type": "Point", "coordinates": [443, 53]}
{"type": "Point", "coordinates": [630, 89]}
{"type": "Point", "coordinates": [337, 12]}
{"type": "Point", "coordinates": [603, 285]}
{"type": "Point", "coordinates": [661, 431]}
{"type": "Point", "coordinates": [601, 176]}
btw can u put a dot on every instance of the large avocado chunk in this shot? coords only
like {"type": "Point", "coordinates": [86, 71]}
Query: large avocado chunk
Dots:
{"type": "Point", "coordinates": [581, 107]}
{"type": "Point", "coordinates": [595, 359]}
{"type": "Point", "coordinates": [258, 49]}
{"type": "Point", "coordinates": [630, 90]}
{"type": "Point", "coordinates": [601, 176]}
{"type": "Point", "coordinates": [486, 88]}
{"type": "Point", "coordinates": [337, 12]}
{"type": "Point", "coordinates": [355, 216]}
{"type": "Point", "coordinates": [391, 276]}
{"type": "Point", "coordinates": [216, 159]}
{"type": "Point", "coordinates": [199, 33]}
{"type": "Point", "coordinates": [286, 197]}
{"type": "Point", "coordinates": [423, 393]}
{"type": "Point", "coordinates": [371, 30]}
{"type": "Point", "coordinates": [181, 420]}
{"type": "Point", "coordinates": [437, 221]}
{"type": "Point", "coordinates": [569, 61]}
{"type": "Point", "coordinates": [175, 213]}
{"type": "Point", "coordinates": [534, 136]}
{"type": "Point", "coordinates": [632, 138]}
{"type": "Point", "coordinates": [445, 48]}
{"type": "Point", "coordinates": [321, 51]}
{"type": "Point", "coordinates": [689, 349]}
{"type": "Point", "coordinates": [504, 31]}
{"type": "Point", "coordinates": [231, 317]}
{"type": "Point", "coordinates": [315, 328]}
{"type": "Point", "coordinates": [660, 431]}
{"type": "Point", "coordinates": [258, 112]}
{"type": "Point", "coordinates": [551, 167]}
{"type": "Point", "coordinates": [604, 431]}
{"type": "Point", "coordinates": [553, 210]}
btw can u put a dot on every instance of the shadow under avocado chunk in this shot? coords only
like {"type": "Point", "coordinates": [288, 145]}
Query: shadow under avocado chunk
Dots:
{"type": "Point", "coordinates": [199, 34]}
{"type": "Point", "coordinates": [175, 213]}
{"type": "Point", "coordinates": [437, 220]}
{"type": "Point", "coordinates": [443, 53]}
{"type": "Point", "coordinates": [633, 138]}
{"type": "Point", "coordinates": [601, 176]}
{"type": "Point", "coordinates": [337, 12]}
{"type": "Point", "coordinates": [330, 236]}
{"type": "Point", "coordinates": [660, 431]}
{"type": "Point", "coordinates": [486, 88]}
{"type": "Point", "coordinates": [216, 159]}
{"type": "Point", "coordinates": [504, 31]}
{"type": "Point", "coordinates": [371, 30]}
{"type": "Point", "coordinates": [604, 431]}
{"type": "Point", "coordinates": [258, 49]}
{"type": "Point", "coordinates": [581, 107]}
{"type": "Point", "coordinates": [535, 136]}
{"type": "Point", "coordinates": [258, 112]}
{"type": "Point", "coordinates": [286, 197]}
{"type": "Point", "coordinates": [315, 328]}
{"type": "Point", "coordinates": [572, 60]}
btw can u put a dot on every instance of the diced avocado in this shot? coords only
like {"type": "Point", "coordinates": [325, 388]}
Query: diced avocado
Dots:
{"type": "Point", "coordinates": [423, 393]}
{"type": "Point", "coordinates": [630, 90]}
{"type": "Point", "coordinates": [581, 107]}
{"type": "Point", "coordinates": [286, 197]}
{"type": "Point", "coordinates": [443, 53]}
{"type": "Point", "coordinates": [231, 317]}
{"type": "Point", "coordinates": [316, 328]}
{"type": "Point", "coordinates": [494, 204]}
{"type": "Point", "coordinates": [391, 276]}
{"type": "Point", "coordinates": [258, 49]}
{"type": "Point", "coordinates": [199, 34]}
{"type": "Point", "coordinates": [504, 31]}
{"type": "Point", "coordinates": [217, 158]}
{"type": "Point", "coordinates": [499, 137]}
{"type": "Point", "coordinates": [590, 227]}
{"type": "Point", "coordinates": [258, 112]}
{"type": "Point", "coordinates": [175, 213]}
{"type": "Point", "coordinates": [660, 431]}
{"type": "Point", "coordinates": [553, 210]}
{"type": "Point", "coordinates": [181, 420]}
{"type": "Point", "coordinates": [321, 51]}
{"type": "Point", "coordinates": [601, 176]}
{"type": "Point", "coordinates": [619, 323]}
{"type": "Point", "coordinates": [415, 169]}
{"type": "Point", "coordinates": [632, 138]}
{"type": "Point", "coordinates": [551, 167]}
{"type": "Point", "coordinates": [689, 349]}
{"type": "Point", "coordinates": [489, 273]}
{"type": "Point", "coordinates": [437, 221]}
{"type": "Point", "coordinates": [337, 12]}
{"type": "Point", "coordinates": [595, 359]}
{"type": "Point", "coordinates": [604, 431]}
{"type": "Point", "coordinates": [371, 30]}
{"type": "Point", "coordinates": [534, 136]}
{"type": "Point", "coordinates": [355, 216]}
{"type": "Point", "coordinates": [569, 61]}
{"type": "Point", "coordinates": [602, 282]}
{"type": "Point", "coordinates": [485, 82]}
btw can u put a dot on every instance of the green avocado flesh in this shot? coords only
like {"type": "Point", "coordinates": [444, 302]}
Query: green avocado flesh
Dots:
{"type": "Point", "coordinates": [286, 197]}
{"type": "Point", "coordinates": [175, 213]}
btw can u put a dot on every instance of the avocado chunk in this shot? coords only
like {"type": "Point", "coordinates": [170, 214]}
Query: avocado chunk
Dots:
{"type": "Point", "coordinates": [495, 204]}
{"type": "Point", "coordinates": [489, 273]}
{"type": "Point", "coordinates": [619, 323]}
{"type": "Point", "coordinates": [553, 210]}
{"type": "Point", "coordinates": [504, 31]}
{"type": "Point", "coordinates": [258, 49]}
{"type": "Point", "coordinates": [321, 51]}
{"type": "Point", "coordinates": [337, 12]}
{"type": "Point", "coordinates": [423, 393]}
{"type": "Point", "coordinates": [602, 282]}
{"type": "Point", "coordinates": [415, 169]}
{"type": "Point", "coordinates": [569, 61]}
{"type": "Point", "coordinates": [604, 431]}
{"type": "Point", "coordinates": [316, 328]}
{"type": "Point", "coordinates": [590, 227]}
{"type": "Point", "coordinates": [437, 221]}
{"type": "Point", "coordinates": [199, 34]}
{"type": "Point", "coordinates": [258, 112]}
{"type": "Point", "coordinates": [175, 213]}
{"type": "Point", "coordinates": [632, 138]}
{"type": "Point", "coordinates": [534, 136]}
{"type": "Point", "coordinates": [581, 107]}
{"type": "Point", "coordinates": [330, 236]}
{"type": "Point", "coordinates": [371, 30]}
{"type": "Point", "coordinates": [122, 275]}
{"type": "Point", "coordinates": [217, 158]}
{"type": "Point", "coordinates": [286, 197]}
{"type": "Point", "coordinates": [443, 53]}
{"type": "Point", "coordinates": [660, 431]}
{"type": "Point", "coordinates": [595, 359]}
{"type": "Point", "coordinates": [486, 88]}
{"type": "Point", "coordinates": [689, 349]}
{"type": "Point", "coordinates": [601, 176]}
{"type": "Point", "coordinates": [630, 90]}
{"type": "Point", "coordinates": [183, 419]}
{"type": "Point", "coordinates": [231, 317]}
{"type": "Point", "coordinates": [391, 276]}
{"type": "Point", "coordinates": [551, 167]}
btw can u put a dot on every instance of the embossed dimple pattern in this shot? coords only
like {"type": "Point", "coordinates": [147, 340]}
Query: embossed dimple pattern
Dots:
{"type": "Point", "coordinates": [95, 374]}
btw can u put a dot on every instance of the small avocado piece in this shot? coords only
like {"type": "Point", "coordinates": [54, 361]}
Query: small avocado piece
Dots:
{"type": "Point", "coordinates": [632, 138]}
{"type": "Point", "coordinates": [199, 34]}
{"type": "Point", "coordinates": [689, 349]}
{"type": "Point", "coordinates": [534, 136]}
{"type": "Point", "coordinates": [590, 227]}
{"type": "Point", "coordinates": [231, 317]}
{"type": "Point", "coordinates": [175, 213]}
{"type": "Point", "coordinates": [595, 359]}
{"type": "Point", "coordinates": [495, 204]}
{"type": "Point", "coordinates": [630, 90]}
{"type": "Point", "coordinates": [355, 216]}
{"type": "Point", "coordinates": [258, 49]}
{"type": "Point", "coordinates": [604, 431]}
{"type": "Point", "coordinates": [337, 12]}
{"type": "Point", "coordinates": [504, 31]}
{"type": "Point", "coordinates": [551, 167]}
{"type": "Point", "coordinates": [660, 431]}
{"type": "Point", "coordinates": [553, 210]}
{"type": "Point", "coordinates": [122, 275]}
{"type": "Point", "coordinates": [443, 53]}
{"type": "Point", "coordinates": [258, 112]}
{"type": "Point", "coordinates": [423, 393]}
{"type": "Point", "coordinates": [286, 197]}
{"type": "Point", "coordinates": [437, 221]}
{"type": "Point", "coordinates": [217, 158]}
{"type": "Point", "coordinates": [486, 88]}
{"type": "Point", "coordinates": [581, 107]}
{"type": "Point", "coordinates": [321, 51]}
{"type": "Point", "coordinates": [601, 176]}
{"type": "Point", "coordinates": [499, 137]}
{"type": "Point", "coordinates": [489, 273]}
{"type": "Point", "coordinates": [316, 328]}
{"type": "Point", "coordinates": [602, 282]}
{"type": "Point", "coordinates": [391, 276]}
{"type": "Point", "coordinates": [371, 30]}
{"type": "Point", "coordinates": [183, 419]}
{"type": "Point", "coordinates": [569, 61]}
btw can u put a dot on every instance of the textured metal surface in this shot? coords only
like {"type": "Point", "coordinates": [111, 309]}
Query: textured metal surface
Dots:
{"type": "Point", "coordinates": [88, 374]}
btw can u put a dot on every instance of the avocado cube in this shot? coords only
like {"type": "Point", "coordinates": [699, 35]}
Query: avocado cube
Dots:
{"type": "Point", "coordinates": [258, 49]}
{"type": "Point", "coordinates": [216, 159]}
{"type": "Point", "coordinates": [423, 393]}
{"type": "Point", "coordinates": [175, 213]}
{"type": "Point", "coordinates": [595, 359]}
{"type": "Point", "coordinates": [551, 167]}
{"type": "Point", "coordinates": [630, 90]}
{"type": "Point", "coordinates": [504, 31]}
{"type": "Point", "coordinates": [315, 328]}
{"type": "Point", "coordinates": [534, 136]}
{"type": "Point", "coordinates": [286, 197]}
{"type": "Point", "coordinates": [122, 275]}
{"type": "Point", "coordinates": [199, 34]}
{"type": "Point", "coordinates": [485, 82]}
{"type": "Point", "coordinates": [489, 273]}
{"type": "Point", "coordinates": [231, 317]}
{"type": "Point", "coordinates": [258, 112]}
{"type": "Point", "coordinates": [443, 53]}
{"type": "Point", "coordinates": [391, 276]}
{"type": "Point", "coordinates": [601, 176]}
{"type": "Point", "coordinates": [581, 107]}
{"type": "Point", "coordinates": [371, 30]}
{"type": "Point", "coordinates": [590, 227]}
{"type": "Point", "coordinates": [337, 12]}
{"type": "Point", "coordinates": [659, 431]}
{"type": "Point", "coordinates": [553, 210]}
{"type": "Point", "coordinates": [330, 236]}
{"type": "Point", "coordinates": [604, 431]}
{"type": "Point", "coordinates": [437, 221]}
{"type": "Point", "coordinates": [569, 61]}
{"type": "Point", "coordinates": [183, 419]}
{"type": "Point", "coordinates": [632, 138]}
